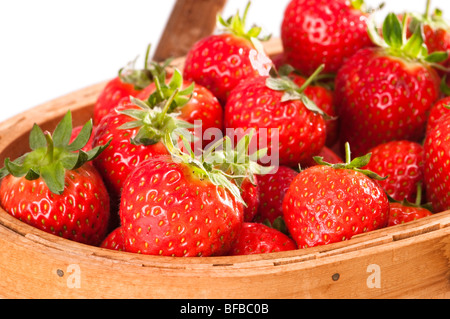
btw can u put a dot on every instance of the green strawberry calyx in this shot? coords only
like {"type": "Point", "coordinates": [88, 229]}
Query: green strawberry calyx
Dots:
{"type": "Point", "coordinates": [156, 116]}
{"type": "Point", "coordinates": [221, 164]}
{"type": "Point", "coordinates": [280, 81]}
{"type": "Point", "coordinates": [52, 155]}
{"type": "Point", "coordinates": [355, 164]}
{"type": "Point", "coordinates": [394, 40]}
{"type": "Point", "coordinates": [141, 78]}
{"type": "Point", "coordinates": [236, 25]}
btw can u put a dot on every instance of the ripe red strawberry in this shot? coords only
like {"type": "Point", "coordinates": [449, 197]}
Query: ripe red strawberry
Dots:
{"type": "Point", "coordinates": [250, 195]}
{"type": "Point", "coordinates": [316, 32]}
{"type": "Point", "coordinates": [323, 96]}
{"type": "Point", "coordinates": [437, 165]}
{"type": "Point", "coordinates": [440, 108]}
{"type": "Point", "coordinates": [129, 82]}
{"type": "Point", "coordinates": [330, 203]}
{"type": "Point", "coordinates": [172, 208]}
{"type": "Point", "coordinates": [384, 93]}
{"type": "Point", "coordinates": [256, 238]}
{"type": "Point", "coordinates": [272, 188]}
{"type": "Point", "coordinates": [280, 107]}
{"type": "Point", "coordinates": [220, 61]}
{"type": "Point", "coordinates": [400, 213]}
{"type": "Point", "coordinates": [54, 189]}
{"type": "Point", "coordinates": [136, 130]}
{"type": "Point", "coordinates": [114, 240]}
{"type": "Point", "coordinates": [401, 162]}
{"type": "Point", "coordinates": [436, 31]}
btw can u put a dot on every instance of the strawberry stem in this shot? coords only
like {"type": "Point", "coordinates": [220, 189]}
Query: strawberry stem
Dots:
{"type": "Point", "coordinates": [50, 146]}
{"type": "Point", "coordinates": [311, 78]}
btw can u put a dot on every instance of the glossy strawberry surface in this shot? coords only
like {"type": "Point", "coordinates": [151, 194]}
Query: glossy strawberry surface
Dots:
{"type": "Point", "coordinates": [114, 240]}
{"type": "Point", "coordinates": [380, 98]}
{"type": "Point", "coordinates": [437, 165]}
{"type": "Point", "coordinates": [325, 205]}
{"type": "Point", "coordinates": [110, 96]}
{"type": "Point", "coordinates": [256, 238]}
{"type": "Point", "coordinates": [316, 32]}
{"type": "Point", "coordinates": [402, 163]}
{"type": "Point", "coordinates": [272, 188]}
{"type": "Point", "coordinates": [167, 210]}
{"type": "Point", "coordinates": [220, 62]}
{"type": "Point", "coordinates": [300, 132]}
{"type": "Point", "coordinates": [400, 213]}
{"type": "Point", "coordinates": [81, 213]}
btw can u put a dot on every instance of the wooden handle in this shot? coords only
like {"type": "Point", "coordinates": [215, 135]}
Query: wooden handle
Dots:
{"type": "Point", "coordinates": [189, 21]}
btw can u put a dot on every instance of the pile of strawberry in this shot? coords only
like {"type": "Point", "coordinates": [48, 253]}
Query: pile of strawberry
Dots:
{"type": "Point", "coordinates": [355, 116]}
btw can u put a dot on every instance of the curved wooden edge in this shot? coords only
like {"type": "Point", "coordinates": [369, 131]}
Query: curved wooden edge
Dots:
{"type": "Point", "coordinates": [413, 259]}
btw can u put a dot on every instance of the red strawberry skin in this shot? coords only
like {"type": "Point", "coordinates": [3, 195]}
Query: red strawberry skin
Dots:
{"type": "Point", "coordinates": [323, 97]}
{"type": "Point", "coordinates": [256, 238]}
{"type": "Point", "coordinates": [166, 210]}
{"type": "Point", "coordinates": [117, 161]}
{"type": "Point", "coordinates": [110, 96]}
{"type": "Point", "coordinates": [301, 132]}
{"type": "Point", "coordinates": [380, 98]}
{"type": "Point", "coordinates": [316, 32]}
{"type": "Point", "coordinates": [80, 214]}
{"type": "Point", "coordinates": [402, 163]}
{"type": "Point", "coordinates": [272, 188]}
{"type": "Point", "coordinates": [219, 62]}
{"type": "Point", "coordinates": [437, 165]}
{"type": "Point", "coordinates": [251, 196]}
{"type": "Point", "coordinates": [437, 111]}
{"type": "Point", "coordinates": [114, 240]}
{"type": "Point", "coordinates": [400, 213]}
{"type": "Point", "coordinates": [325, 205]}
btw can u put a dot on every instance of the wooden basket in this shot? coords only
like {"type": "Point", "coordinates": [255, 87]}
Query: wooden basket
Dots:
{"type": "Point", "coordinates": [405, 261]}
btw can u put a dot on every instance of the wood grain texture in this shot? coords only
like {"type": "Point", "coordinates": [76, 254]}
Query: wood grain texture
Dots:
{"type": "Point", "coordinates": [189, 21]}
{"type": "Point", "coordinates": [411, 260]}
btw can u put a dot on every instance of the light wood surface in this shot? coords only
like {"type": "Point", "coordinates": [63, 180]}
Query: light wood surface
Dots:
{"type": "Point", "coordinates": [406, 261]}
{"type": "Point", "coordinates": [186, 26]}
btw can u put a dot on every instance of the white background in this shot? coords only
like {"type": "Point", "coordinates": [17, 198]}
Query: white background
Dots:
{"type": "Point", "coordinates": [49, 48]}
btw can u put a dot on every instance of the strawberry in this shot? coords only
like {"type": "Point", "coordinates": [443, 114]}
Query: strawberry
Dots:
{"type": "Point", "coordinates": [405, 211]}
{"type": "Point", "coordinates": [401, 213]}
{"type": "Point", "coordinates": [315, 32]}
{"type": "Point", "coordinates": [440, 108]}
{"type": "Point", "coordinates": [323, 96]}
{"type": "Point", "coordinates": [436, 31]}
{"type": "Point", "coordinates": [276, 105]}
{"type": "Point", "coordinates": [436, 165]}
{"type": "Point", "coordinates": [129, 82]}
{"type": "Point", "coordinates": [220, 61]}
{"type": "Point", "coordinates": [53, 189]}
{"type": "Point", "coordinates": [136, 130]}
{"type": "Point", "coordinates": [401, 162]}
{"type": "Point", "coordinates": [114, 240]}
{"type": "Point", "coordinates": [384, 93]}
{"type": "Point", "coordinates": [256, 238]}
{"type": "Point", "coordinates": [272, 188]}
{"type": "Point", "coordinates": [184, 204]}
{"type": "Point", "coordinates": [328, 203]}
